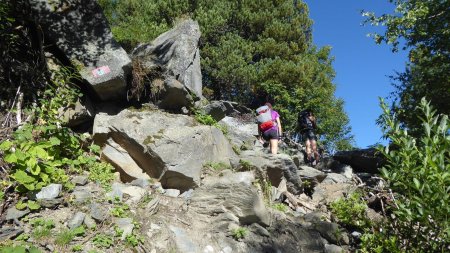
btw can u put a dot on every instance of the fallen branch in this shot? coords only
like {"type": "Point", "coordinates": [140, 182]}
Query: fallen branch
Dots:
{"type": "Point", "coordinates": [19, 109]}
{"type": "Point", "coordinates": [12, 106]}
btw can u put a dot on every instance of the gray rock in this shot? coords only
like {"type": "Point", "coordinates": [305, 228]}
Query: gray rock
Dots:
{"type": "Point", "coordinates": [80, 180]}
{"type": "Point", "coordinates": [356, 234]}
{"type": "Point", "coordinates": [176, 52]}
{"type": "Point", "coordinates": [275, 168]}
{"type": "Point", "coordinates": [9, 233]}
{"type": "Point", "coordinates": [227, 249]}
{"type": "Point", "coordinates": [135, 192]}
{"type": "Point", "coordinates": [116, 191]}
{"type": "Point", "coordinates": [50, 203]}
{"type": "Point", "coordinates": [76, 221]}
{"type": "Point", "coordinates": [334, 178]}
{"type": "Point", "coordinates": [98, 213]}
{"type": "Point", "coordinates": [12, 213]}
{"type": "Point", "coordinates": [259, 230]}
{"type": "Point", "coordinates": [126, 225]}
{"type": "Point", "coordinates": [82, 111]}
{"type": "Point", "coordinates": [81, 196]}
{"type": "Point", "coordinates": [141, 182]}
{"type": "Point", "coordinates": [331, 248]}
{"type": "Point", "coordinates": [171, 147]}
{"type": "Point", "coordinates": [120, 159]}
{"type": "Point", "coordinates": [81, 32]}
{"type": "Point", "coordinates": [307, 172]}
{"type": "Point", "coordinates": [51, 191]}
{"type": "Point", "coordinates": [326, 193]}
{"type": "Point", "coordinates": [241, 200]}
{"type": "Point", "coordinates": [182, 240]}
{"type": "Point", "coordinates": [361, 160]}
{"type": "Point", "coordinates": [89, 222]}
{"type": "Point", "coordinates": [331, 232]}
{"type": "Point", "coordinates": [219, 109]}
{"type": "Point", "coordinates": [230, 177]}
{"type": "Point", "coordinates": [187, 194]}
{"type": "Point", "coordinates": [240, 132]}
{"type": "Point", "coordinates": [172, 193]}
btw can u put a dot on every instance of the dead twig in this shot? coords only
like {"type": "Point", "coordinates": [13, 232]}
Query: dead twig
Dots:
{"type": "Point", "coordinates": [19, 109]}
{"type": "Point", "coordinates": [12, 106]}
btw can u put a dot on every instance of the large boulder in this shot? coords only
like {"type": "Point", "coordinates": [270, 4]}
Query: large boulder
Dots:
{"type": "Point", "coordinates": [361, 160]}
{"type": "Point", "coordinates": [275, 168]}
{"type": "Point", "coordinates": [219, 109]}
{"type": "Point", "coordinates": [170, 147]}
{"type": "Point", "coordinates": [241, 132]}
{"type": "Point", "coordinates": [175, 54]}
{"type": "Point", "coordinates": [240, 199]}
{"type": "Point", "coordinates": [80, 31]}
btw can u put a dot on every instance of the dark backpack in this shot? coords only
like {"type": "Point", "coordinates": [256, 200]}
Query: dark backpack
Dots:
{"type": "Point", "coordinates": [303, 121]}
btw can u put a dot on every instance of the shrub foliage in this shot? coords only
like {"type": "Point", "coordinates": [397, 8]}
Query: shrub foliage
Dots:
{"type": "Point", "coordinates": [418, 171]}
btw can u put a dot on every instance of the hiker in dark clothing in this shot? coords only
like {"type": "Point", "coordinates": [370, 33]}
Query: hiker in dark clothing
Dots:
{"type": "Point", "coordinates": [273, 132]}
{"type": "Point", "coordinates": [307, 125]}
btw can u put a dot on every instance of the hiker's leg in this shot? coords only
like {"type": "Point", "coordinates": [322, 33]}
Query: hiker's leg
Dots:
{"type": "Point", "coordinates": [274, 146]}
{"type": "Point", "coordinates": [314, 149]}
{"type": "Point", "coordinates": [308, 149]}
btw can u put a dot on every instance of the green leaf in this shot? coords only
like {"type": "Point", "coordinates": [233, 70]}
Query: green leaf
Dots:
{"type": "Point", "coordinates": [11, 158]}
{"type": "Point", "coordinates": [416, 183]}
{"type": "Point", "coordinates": [6, 145]}
{"type": "Point", "coordinates": [33, 205]}
{"type": "Point", "coordinates": [41, 153]}
{"type": "Point", "coordinates": [55, 141]}
{"type": "Point", "coordinates": [22, 177]}
{"type": "Point", "coordinates": [20, 205]}
{"type": "Point", "coordinates": [33, 249]}
{"type": "Point", "coordinates": [35, 170]}
{"type": "Point", "coordinates": [17, 249]}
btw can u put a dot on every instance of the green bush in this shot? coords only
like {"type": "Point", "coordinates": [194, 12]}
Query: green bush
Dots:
{"type": "Point", "coordinates": [418, 171]}
{"type": "Point", "coordinates": [239, 233]}
{"type": "Point", "coordinates": [43, 151]}
{"type": "Point", "coordinates": [351, 211]}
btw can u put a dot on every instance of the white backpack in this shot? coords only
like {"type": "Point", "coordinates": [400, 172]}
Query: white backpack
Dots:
{"type": "Point", "coordinates": [264, 118]}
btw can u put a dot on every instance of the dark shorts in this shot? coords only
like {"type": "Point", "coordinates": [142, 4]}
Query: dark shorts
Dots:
{"type": "Point", "coordinates": [309, 135]}
{"type": "Point", "coordinates": [270, 134]}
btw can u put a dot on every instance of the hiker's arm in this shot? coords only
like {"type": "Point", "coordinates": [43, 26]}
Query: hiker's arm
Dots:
{"type": "Point", "coordinates": [280, 131]}
{"type": "Point", "coordinates": [260, 135]}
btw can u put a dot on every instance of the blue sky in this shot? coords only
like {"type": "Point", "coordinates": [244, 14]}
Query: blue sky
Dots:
{"type": "Point", "coordinates": [362, 67]}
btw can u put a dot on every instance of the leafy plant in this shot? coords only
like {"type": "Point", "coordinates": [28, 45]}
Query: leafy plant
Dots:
{"type": "Point", "coordinates": [379, 242]}
{"type": "Point", "coordinates": [64, 237]}
{"type": "Point", "coordinates": [207, 119]}
{"type": "Point", "coordinates": [418, 171]}
{"type": "Point", "coordinates": [239, 233]}
{"type": "Point", "coordinates": [280, 207]}
{"type": "Point", "coordinates": [351, 211]}
{"type": "Point", "coordinates": [19, 249]}
{"type": "Point", "coordinates": [103, 241]}
{"type": "Point", "coordinates": [41, 228]}
{"type": "Point", "coordinates": [120, 209]}
{"type": "Point", "coordinates": [102, 173]}
{"type": "Point", "coordinates": [134, 240]}
{"type": "Point", "coordinates": [33, 205]}
{"type": "Point", "coordinates": [217, 166]}
{"type": "Point", "coordinates": [245, 165]}
{"type": "Point", "coordinates": [77, 248]}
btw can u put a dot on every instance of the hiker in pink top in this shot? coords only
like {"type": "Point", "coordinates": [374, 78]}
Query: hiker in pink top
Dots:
{"type": "Point", "coordinates": [272, 134]}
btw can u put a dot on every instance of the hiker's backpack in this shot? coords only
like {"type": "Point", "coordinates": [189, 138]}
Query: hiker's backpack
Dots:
{"type": "Point", "coordinates": [303, 121]}
{"type": "Point", "coordinates": [264, 118]}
